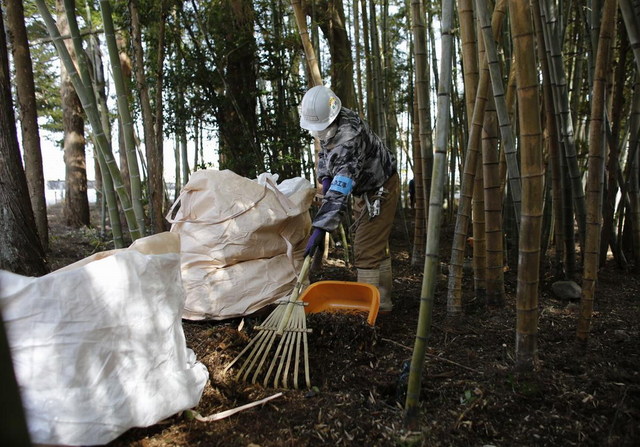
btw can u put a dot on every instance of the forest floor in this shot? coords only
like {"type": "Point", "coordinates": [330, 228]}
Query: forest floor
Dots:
{"type": "Point", "coordinates": [471, 393]}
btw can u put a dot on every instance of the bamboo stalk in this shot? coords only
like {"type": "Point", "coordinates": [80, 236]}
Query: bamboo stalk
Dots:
{"type": "Point", "coordinates": [532, 183]}
{"type": "Point", "coordinates": [563, 112]}
{"type": "Point", "coordinates": [506, 130]}
{"type": "Point", "coordinates": [124, 112]}
{"type": "Point", "coordinates": [88, 101]}
{"type": "Point", "coordinates": [454, 294]}
{"type": "Point", "coordinates": [432, 260]}
{"type": "Point", "coordinates": [595, 174]}
{"type": "Point", "coordinates": [551, 137]}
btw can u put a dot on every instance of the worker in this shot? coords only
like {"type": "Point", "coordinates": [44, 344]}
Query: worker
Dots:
{"type": "Point", "coordinates": [353, 160]}
{"type": "Point", "coordinates": [412, 193]}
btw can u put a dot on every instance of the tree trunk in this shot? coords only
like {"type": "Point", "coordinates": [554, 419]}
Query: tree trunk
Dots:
{"type": "Point", "coordinates": [330, 16]}
{"type": "Point", "coordinates": [20, 248]}
{"type": "Point", "coordinates": [237, 113]}
{"type": "Point", "coordinates": [159, 114]}
{"type": "Point", "coordinates": [28, 116]}
{"type": "Point", "coordinates": [76, 204]}
{"type": "Point", "coordinates": [154, 162]}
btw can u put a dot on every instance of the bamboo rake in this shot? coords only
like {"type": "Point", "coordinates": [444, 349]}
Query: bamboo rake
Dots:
{"type": "Point", "coordinates": [287, 324]}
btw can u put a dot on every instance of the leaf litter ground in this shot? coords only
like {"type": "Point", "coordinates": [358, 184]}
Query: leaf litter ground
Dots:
{"type": "Point", "coordinates": [471, 394]}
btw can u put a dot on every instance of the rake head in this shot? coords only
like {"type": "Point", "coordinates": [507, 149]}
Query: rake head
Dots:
{"type": "Point", "coordinates": [274, 353]}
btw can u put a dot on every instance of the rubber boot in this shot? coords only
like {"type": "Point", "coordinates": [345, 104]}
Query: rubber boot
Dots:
{"type": "Point", "coordinates": [369, 276]}
{"type": "Point", "coordinates": [373, 276]}
{"type": "Point", "coordinates": [385, 286]}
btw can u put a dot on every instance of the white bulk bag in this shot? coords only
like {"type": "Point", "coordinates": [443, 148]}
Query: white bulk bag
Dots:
{"type": "Point", "coordinates": [242, 241]}
{"type": "Point", "coordinates": [98, 346]}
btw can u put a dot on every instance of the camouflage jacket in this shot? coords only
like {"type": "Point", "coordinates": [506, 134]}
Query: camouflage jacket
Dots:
{"type": "Point", "coordinates": [358, 162]}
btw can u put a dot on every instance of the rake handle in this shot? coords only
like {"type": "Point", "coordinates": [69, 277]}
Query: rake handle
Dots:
{"type": "Point", "coordinates": [304, 272]}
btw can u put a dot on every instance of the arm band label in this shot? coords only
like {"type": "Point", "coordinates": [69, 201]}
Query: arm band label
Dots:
{"type": "Point", "coordinates": [341, 184]}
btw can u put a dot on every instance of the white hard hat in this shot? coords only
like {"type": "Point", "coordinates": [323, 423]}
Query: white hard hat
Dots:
{"type": "Point", "coordinates": [319, 108]}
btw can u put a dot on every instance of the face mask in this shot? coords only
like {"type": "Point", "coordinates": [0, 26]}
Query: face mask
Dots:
{"type": "Point", "coordinates": [326, 134]}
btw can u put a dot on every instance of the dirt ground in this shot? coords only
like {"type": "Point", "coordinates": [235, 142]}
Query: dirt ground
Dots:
{"type": "Point", "coordinates": [471, 394]}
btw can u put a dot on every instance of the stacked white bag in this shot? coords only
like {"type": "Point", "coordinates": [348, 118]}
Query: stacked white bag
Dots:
{"type": "Point", "coordinates": [242, 241]}
{"type": "Point", "coordinates": [98, 346]}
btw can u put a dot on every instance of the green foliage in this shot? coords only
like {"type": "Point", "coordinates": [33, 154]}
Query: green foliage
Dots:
{"type": "Point", "coordinates": [46, 70]}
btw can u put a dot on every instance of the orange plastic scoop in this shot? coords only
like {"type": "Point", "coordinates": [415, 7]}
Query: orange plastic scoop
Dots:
{"type": "Point", "coordinates": [342, 296]}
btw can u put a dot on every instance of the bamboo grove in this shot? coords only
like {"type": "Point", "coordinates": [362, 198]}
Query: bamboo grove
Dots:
{"type": "Point", "coordinates": [518, 120]}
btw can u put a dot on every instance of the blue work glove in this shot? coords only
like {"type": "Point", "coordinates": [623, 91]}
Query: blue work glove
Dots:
{"type": "Point", "coordinates": [326, 184]}
{"type": "Point", "coordinates": [316, 240]}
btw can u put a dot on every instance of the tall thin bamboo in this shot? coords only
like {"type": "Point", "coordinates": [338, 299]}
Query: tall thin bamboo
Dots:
{"type": "Point", "coordinates": [510, 101]}
{"type": "Point", "coordinates": [370, 107]}
{"type": "Point", "coordinates": [633, 171]}
{"type": "Point", "coordinates": [454, 294]}
{"type": "Point", "coordinates": [469, 56]}
{"type": "Point", "coordinates": [124, 111]}
{"type": "Point", "coordinates": [561, 103]}
{"type": "Point", "coordinates": [316, 79]}
{"type": "Point", "coordinates": [378, 76]}
{"type": "Point", "coordinates": [432, 260]}
{"type": "Point", "coordinates": [420, 221]}
{"type": "Point", "coordinates": [493, 208]}
{"type": "Point", "coordinates": [632, 25]}
{"type": "Point", "coordinates": [595, 174]}
{"type": "Point", "coordinates": [85, 93]}
{"type": "Point", "coordinates": [594, 16]}
{"type": "Point", "coordinates": [158, 123]}
{"type": "Point", "coordinates": [424, 126]}
{"type": "Point", "coordinates": [551, 142]}
{"type": "Point", "coordinates": [479, 260]}
{"type": "Point", "coordinates": [532, 183]}
{"type": "Point", "coordinates": [356, 31]}
{"type": "Point", "coordinates": [310, 54]}
{"type": "Point", "coordinates": [479, 246]}
{"type": "Point", "coordinates": [502, 111]}
{"type": "Point", "coordinates": [578, 49]}
{"type": "Point", "coordinates": [608, 236]}
{"type": "Point", "coordinates": [111, 200]}
{"type": "Point", "coordinates": [184, 159]}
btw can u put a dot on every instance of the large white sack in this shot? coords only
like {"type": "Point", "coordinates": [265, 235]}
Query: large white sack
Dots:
{"type": "Point", "coordinates": [242, 241]}
{"type": "Point", "coordinates": [231, 219]}
{"type": "Point", "coordinates": [98, 346]}
{"type": "Point", "coordinates": [235, 290]}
